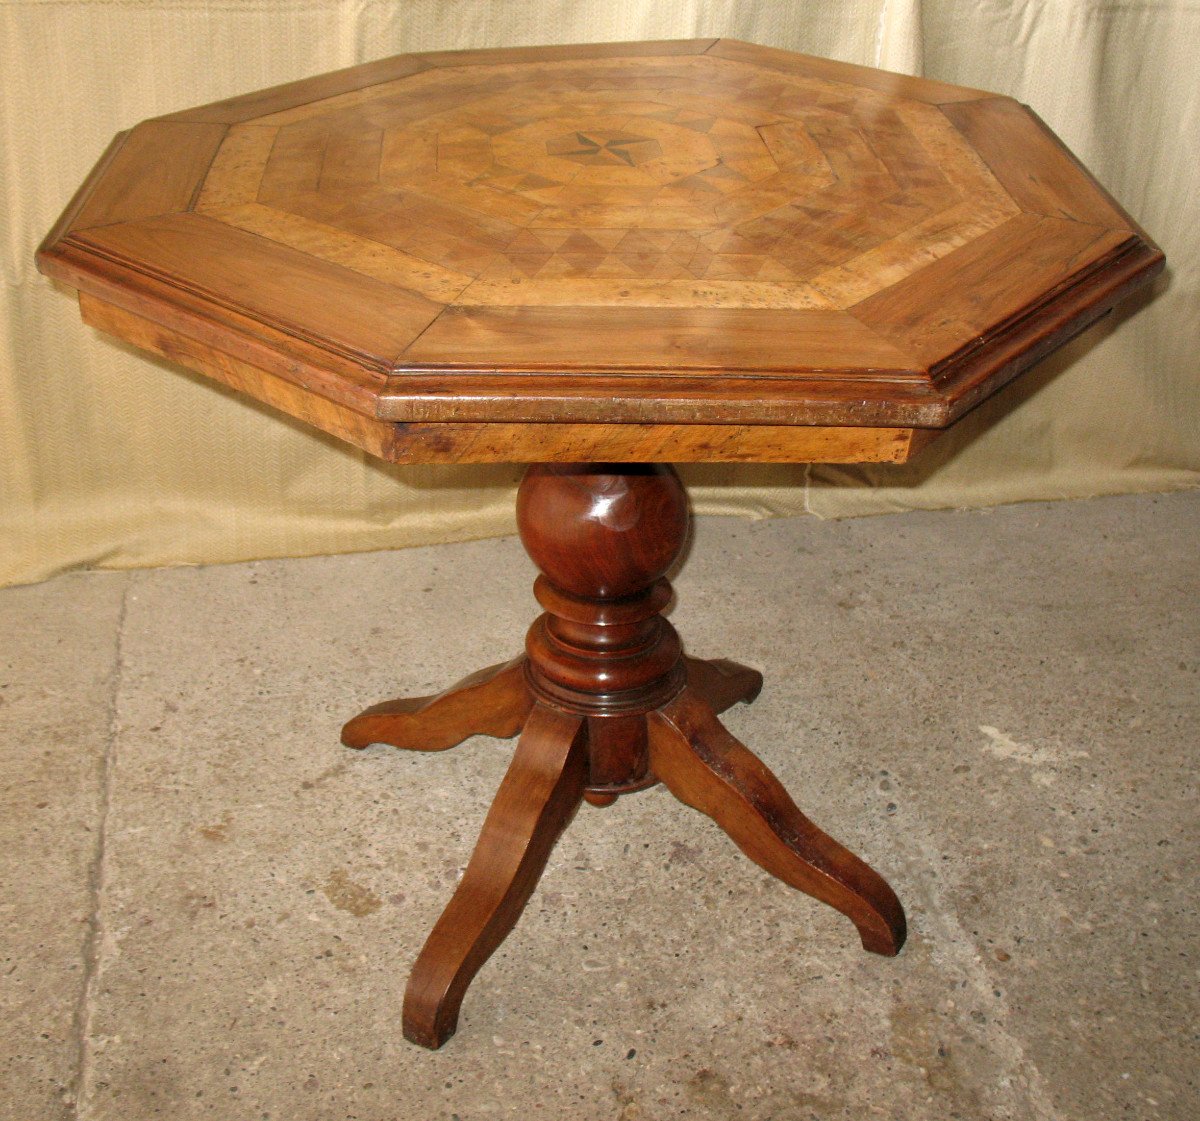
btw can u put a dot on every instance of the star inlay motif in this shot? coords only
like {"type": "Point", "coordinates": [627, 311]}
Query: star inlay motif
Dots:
{"type": "Point", "coordinates": [604, 147]}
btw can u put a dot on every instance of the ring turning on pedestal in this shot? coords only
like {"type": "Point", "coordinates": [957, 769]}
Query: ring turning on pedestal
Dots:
{"type": "Point", "coordinates": [606, 704]}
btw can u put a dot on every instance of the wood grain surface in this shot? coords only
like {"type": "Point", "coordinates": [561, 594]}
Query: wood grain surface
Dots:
{"type": "Point", "coordinates": [705, 767]}
{"type": "Point", "coordinates": [507, 442]}
{"type": "Point", "coordinates": [540, 793]}
{"type": "Point", "coordinates": [607, 705]}
{"type": "Point", "coordinates": [139, 183]}
{"type": "Point", "coordinates": [697, 233]}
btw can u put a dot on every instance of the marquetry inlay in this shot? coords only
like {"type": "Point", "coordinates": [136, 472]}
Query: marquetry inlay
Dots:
{"type": "Point", "coordinates": [600, 146]}
{"type": "Point", "coordinates": [682, 234]}
{"type": "Point", "coordinates": [706, 182]}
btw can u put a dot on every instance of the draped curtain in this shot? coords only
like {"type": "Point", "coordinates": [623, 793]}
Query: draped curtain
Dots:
{"type": "Point", "coordinates": [110, 458]}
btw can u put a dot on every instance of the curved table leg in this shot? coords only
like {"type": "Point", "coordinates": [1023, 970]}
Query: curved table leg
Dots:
{"type": "Point", "coordinates": [540, 792]}
{"type": "Point", "coordinates": [707, 768]}
{"type": "Point", "coordinates": [721, 683]}
{"type": "Point", "coordinates": [493, 702]}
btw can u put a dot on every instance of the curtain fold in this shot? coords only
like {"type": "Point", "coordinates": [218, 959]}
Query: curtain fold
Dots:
{"type": "Point", "coordinates": [111, 458]}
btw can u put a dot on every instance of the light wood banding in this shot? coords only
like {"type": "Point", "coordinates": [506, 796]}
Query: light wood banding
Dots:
{"type": "Point", "coordinates": [618, 238]}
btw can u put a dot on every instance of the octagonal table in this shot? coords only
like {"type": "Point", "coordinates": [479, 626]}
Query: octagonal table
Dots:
{"type": "Point", "coordinates": [601, 260]}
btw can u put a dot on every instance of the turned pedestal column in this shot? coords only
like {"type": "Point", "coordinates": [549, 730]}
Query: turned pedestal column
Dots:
{"type": "Point", "coordinates": [606, 703]}
{"type": "Point", "coordinates": [544, 287]}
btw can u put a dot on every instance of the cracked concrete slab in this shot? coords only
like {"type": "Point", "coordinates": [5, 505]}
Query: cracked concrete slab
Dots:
{"type": "Point", "coordinates": [996, 708]}
{"type": "Point", "coordinates": [58, 679]}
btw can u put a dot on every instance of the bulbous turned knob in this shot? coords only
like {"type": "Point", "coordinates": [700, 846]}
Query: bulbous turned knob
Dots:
{"type": "Point", "coordinates": [602, 531]}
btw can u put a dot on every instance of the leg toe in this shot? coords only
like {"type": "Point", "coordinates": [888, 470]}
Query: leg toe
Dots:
{"type": "Point", "coordinates": [492, 702]}
{"type": "Point", "coordinates": [541, 790]}
{"type": "Point", "coordinates": [706, 768]}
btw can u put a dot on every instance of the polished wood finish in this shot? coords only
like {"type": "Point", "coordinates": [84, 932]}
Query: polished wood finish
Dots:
{"type": "Point", "coordinates": [493, 702]}
{"type": "Point", "coordinates": [535, 248]}
{"type": "Point", "coordinates": [498, 442]}
{"type": "Point", "coordinates": [539, 794]}
{"type": "Point", "coordinates": [609, 705]}
{"type": "Point", "coordinates": [496, 702]}
{"type": "Point", "coordinates": [139, 183]}
{"type": "Point", "coordinates": [603, 538]}
{"type": "Point", "coordinates": [601, 260]}
{"type": "Point", "coordinates": [720, 683]}
{"type": "Point", "coordinates": [705, 767]}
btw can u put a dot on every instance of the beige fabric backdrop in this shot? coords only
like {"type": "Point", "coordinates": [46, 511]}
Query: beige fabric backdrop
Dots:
{"type": "Point", "coordinates": [109, 458]}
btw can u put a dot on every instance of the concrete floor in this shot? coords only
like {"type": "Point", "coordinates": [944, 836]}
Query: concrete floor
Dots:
{"type": "Point", "coordinates": [209, 907]}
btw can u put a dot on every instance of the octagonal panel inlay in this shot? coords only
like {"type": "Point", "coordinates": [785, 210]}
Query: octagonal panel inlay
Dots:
{"type": "Point", "coordinates": [655, 231]}
{"type": "Point", "coordinates": [709, 184]}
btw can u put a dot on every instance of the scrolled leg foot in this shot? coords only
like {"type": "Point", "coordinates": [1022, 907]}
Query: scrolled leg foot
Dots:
{"type": "Point", "coordinates": [721, 683]}
{"type": "Point", "coordinates": [493, 702]}
{"type": "Point", "coordinates": [707, 768]}
{"type": "Point", "coordinates": [540, 792]}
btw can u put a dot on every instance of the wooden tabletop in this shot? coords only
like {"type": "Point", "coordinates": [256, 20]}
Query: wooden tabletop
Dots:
{"type": "Point", "coordinates": [695, 250]}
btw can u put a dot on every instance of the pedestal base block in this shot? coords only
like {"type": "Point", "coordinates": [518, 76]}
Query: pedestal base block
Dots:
{"type": "Point", "coordinates": [606, 704]}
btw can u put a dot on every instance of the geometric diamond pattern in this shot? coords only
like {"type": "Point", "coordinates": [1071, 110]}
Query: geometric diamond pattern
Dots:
{"type": "Point", "coordinates": [696, 232]}
{"type": "Point", "coordinates": [712, 183]}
